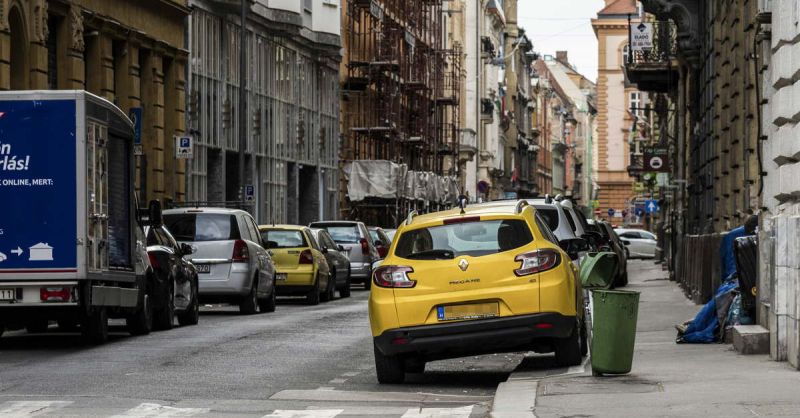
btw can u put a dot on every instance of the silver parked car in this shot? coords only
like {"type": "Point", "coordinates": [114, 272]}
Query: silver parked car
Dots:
{"type": "Point", "coordinates": [232, 264]}
{"type": "Point", "coordinates": [354, 237]}
{"type": "Point", "coordinates": [638, 242]}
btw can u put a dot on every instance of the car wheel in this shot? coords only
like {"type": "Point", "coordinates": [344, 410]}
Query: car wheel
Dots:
{"type": "Point", "coordinates": [95, 326]}
{"type": "Point", "coordinates": [141, 322]}
{"type": "Point", "coordinates": [416, 365]}
{"type": "Point", "coordinates": [192, 314]}
{"type": "Point", "coordinates": [344, 291]}
{"type": "Point", "coordinates": [568, 350]}
{"type": "Point", "coordinates": [37, 326]}
{"type": "Point", "coordinates": [330, 290]}
{"type": "Point", "coordinates": [165, 317]}
{"type": "Point", "coordinates": [389, 369]}
{"type": "Point", "coordinates": [312, 298]}
{"type": "Point", "coordinates": [268, 304]}
{"type": "Point", "coordinates": [249, 305]}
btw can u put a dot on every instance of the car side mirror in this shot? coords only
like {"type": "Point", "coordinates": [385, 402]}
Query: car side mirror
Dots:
{"type": "Point", "coordinates": [187, 249]}
{"type": "Point", "coordinates": [340, 247]}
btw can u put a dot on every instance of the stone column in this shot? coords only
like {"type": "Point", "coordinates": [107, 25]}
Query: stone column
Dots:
{"type": "Point", "coordinates": [152, 79]}
{"type": "Point", "coordinates": [174, 124]}
{"type": "Point", "coordinates": [37, 49]}
{"type": "Point", "coordinates": [70, 47]}
{"type": "Point", "coordinates": [100, 66]}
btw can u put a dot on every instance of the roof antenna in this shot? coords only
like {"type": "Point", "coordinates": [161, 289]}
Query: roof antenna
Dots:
{"type": "Point", "coordinates": [462, 202]}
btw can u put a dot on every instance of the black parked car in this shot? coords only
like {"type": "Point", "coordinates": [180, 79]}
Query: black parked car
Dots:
{"type": "Point", "coordinates": [176, 277]}
{"type": "Point", "coordinates": [337, 260]}
{"type": "Point", "coordinates": [381, 241]}
{"type": "Point", "coordinates": [611, 242]}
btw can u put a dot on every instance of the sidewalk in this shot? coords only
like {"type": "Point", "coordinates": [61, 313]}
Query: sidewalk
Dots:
{"type": "Point", "coordinates": [667, 380]}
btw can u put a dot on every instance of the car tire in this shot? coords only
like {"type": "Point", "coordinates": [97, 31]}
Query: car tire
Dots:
{"type": "Point", "coordinates": [192, 314]}
{"type": "Point", "coordinates": [95, 326]}
{"type": "Point", "coordinates": [389, 369]}
{"type": "Point", "coordinates": [164, 318]}
{"type": "Point", "coordinates": [312, 298]}
{"type": "Point", "coordinates": [568, 349]}
{"type": "Point", "coordinates": [141, 323]}
{"type": "Point", "coordinates": [37, 326]}
{"type": "Point", "coordinates": [249, 305]}
{"type": "Point", "coordinates": [268, 304]}
{"type": "Point", "coordinates": [416, 365]}
{"type": "Point", "coordinates": [344, 291]}
{"type": "Point", "coordinates": [330, 290]}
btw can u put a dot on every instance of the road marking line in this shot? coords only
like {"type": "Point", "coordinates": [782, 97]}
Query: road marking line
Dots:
{"type": "Point", "coordinates": [351, 374]}
{"type": "Point", "coordinates": [329, 394]}
{"type": "Point", "coordinates": [463, 412]}
{"type": "Point", "coordinates": [154, 410]}
{"type": "Point", "coordinates": [30, 408]}
{"type": "Point", "coordinates": [310, 413]}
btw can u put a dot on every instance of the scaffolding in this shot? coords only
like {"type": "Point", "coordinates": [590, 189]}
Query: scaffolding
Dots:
{"type": "Point", "coordinates": [400, 87]}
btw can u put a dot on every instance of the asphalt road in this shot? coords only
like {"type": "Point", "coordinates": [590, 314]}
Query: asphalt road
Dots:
{"type": "Point", "coordinates": [301, 361]}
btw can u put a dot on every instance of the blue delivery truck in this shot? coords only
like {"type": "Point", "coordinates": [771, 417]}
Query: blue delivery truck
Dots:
{"type": "Point", "coordinates": [72, 250]}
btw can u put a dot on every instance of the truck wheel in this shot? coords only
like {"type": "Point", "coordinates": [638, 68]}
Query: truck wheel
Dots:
{"type": "Point", "coordinates": [390, 369]}
{"type": "Point", "coordinates": [312, 298]}
{"type": "Point", "coordinates": [165, 317]}
{"type": "Point", "coordinates": [37, 326]}
{"type": "Point", "coordinates": [268, 304]}
{"type": "Point", "coordinates": [344, 291]}
{"type": "Point", "coordinates": [95, 326]}
{"type": "Point", "coordinates": [192, 314]}
{"type": "Point", "coordinates": [568, 350]}
{"type": "Point", "coordinates": [249, 305]}
{"type": "Point", "coordinates": [141, 322]}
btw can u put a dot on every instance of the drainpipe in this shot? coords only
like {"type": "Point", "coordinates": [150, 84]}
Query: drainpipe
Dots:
{"type": "Point", "coordinates": [242, 97]}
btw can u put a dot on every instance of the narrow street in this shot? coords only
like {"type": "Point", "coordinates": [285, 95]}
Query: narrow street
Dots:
{"type": "Point", "coordinates": [298, 358]}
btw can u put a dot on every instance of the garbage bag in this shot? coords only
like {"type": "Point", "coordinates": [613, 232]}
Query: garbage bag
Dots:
{"type": "Point", "coordinates": [727, 259]}
{"type": "Point", "coordinates": [746, 252]}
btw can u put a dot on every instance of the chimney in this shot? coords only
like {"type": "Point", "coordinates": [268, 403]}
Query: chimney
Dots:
{"type": "Point", "coordinates": [562, 57]}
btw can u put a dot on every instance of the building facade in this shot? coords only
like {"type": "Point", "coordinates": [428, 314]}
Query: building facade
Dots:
{"type": "Point", "coordinates": [617, 103]}
{"type": "Point", "coordinates": [292, 52]}
{"type": "Point", "coordinates": [132, 54]}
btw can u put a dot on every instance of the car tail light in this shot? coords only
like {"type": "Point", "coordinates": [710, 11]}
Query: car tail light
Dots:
{"type": "Point", "coordinates": [400, 341]}
{"type": "Point", "coordinates": [537, 261]}
{"type": "Point", "coordinates": [382, 251]}
{"type": "Point", "coordinates": [55, 294]}
{"type": "Point", "coordinates": [364, 246]}
{"type": "Point", "coordinates": [306, 257]}
{"type": "Point", "coordinates": [462, 219]}
{"type": "Point", "coordinates": [393, 276]}
{"type": "Point", "coordinates": [240, 252]}
{"type": "Point", "coordinates": [153, 260]}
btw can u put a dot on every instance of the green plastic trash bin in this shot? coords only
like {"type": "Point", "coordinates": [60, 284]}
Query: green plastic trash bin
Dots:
{"type": "Point", "coordinates": [598, 270]}
{"type": "Point", "coordinates": [614, 315]}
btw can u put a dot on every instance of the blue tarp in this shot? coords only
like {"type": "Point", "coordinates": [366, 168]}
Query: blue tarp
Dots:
{"type": "Point", "coordinates": [726, 256]}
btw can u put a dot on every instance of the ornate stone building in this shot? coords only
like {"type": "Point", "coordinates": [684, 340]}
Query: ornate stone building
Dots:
{"type": "Point", "coordinates": [132, 53]}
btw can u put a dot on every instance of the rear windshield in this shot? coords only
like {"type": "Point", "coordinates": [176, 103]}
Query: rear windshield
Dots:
{"type": "Point", "coordinates": [343, 233]}
{"type": "Point", "coordinates": [550, 216]}
{"type": "Point", "coordinates": [283, 238]}
{"type": "Point", "coordinates": [475, 239]}
{"type": "Point", "coordinates": [202, 226]}
{"type": "Point", "coordinates": [571, 221]}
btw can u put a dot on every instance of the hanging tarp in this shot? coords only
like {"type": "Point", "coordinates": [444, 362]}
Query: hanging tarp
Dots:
{"type": "Point", "coordinates": [374, 178]}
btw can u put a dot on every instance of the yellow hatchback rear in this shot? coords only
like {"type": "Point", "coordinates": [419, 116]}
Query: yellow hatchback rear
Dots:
{"type": "Point", "coordinates": [300, 266]}
{"type": "Point", "coordinates": [477, 281]}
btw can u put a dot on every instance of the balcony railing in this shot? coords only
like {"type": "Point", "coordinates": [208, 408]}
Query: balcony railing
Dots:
{"type": "Point", "coordinates": [652, 69]}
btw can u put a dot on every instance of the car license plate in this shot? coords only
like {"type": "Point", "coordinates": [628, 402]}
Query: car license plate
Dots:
{"type": "Point", "coordinates": [8, 294]}
{"type": "Point", "coordinates": [281, 277]}
{"type": "Point", "coordinates": [467, 311]}
{"type": "Point", "coordinates": [203, 268]}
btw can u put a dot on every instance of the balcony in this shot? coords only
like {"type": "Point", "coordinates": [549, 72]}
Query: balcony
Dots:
{"type": "Point", "coordinates": [654, 69]}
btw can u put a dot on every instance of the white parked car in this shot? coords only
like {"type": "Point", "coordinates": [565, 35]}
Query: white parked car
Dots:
{"type": "Point", "coordinates": [638, 242]}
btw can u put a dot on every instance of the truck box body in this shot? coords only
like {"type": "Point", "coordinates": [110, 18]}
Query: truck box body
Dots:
{"type": "Point", "coordinates": [68, 215]}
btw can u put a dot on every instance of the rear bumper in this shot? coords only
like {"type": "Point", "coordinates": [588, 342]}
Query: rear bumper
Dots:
{"type": "Point", "coordinates": [236, 283]}
{"type": "Point", "coordinates": [455, 339]}
{"type": "Point", "coordinates": [360, 272]}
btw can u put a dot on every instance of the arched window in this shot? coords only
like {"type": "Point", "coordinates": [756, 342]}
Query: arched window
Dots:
{"type": "Point", "coordinates": [20, 69]}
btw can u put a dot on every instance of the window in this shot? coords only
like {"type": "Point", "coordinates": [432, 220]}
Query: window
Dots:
{"type": "Point", "coordinates": [550, 216]}
{"type": "Point", "coordinates": [630, 235]}
{"type": "Point", "coordinates": [202, 226]}
{"type": "Point", "coordinates": [626, 50]}
{"type": "Point", "coordinates": [477, 238]}
{"type": "Point", "coordinates": [343, 233]}
{"type": "Point", "coordinates": [284, 238]}
{"type": "Point", "coordinates": [637, 104]}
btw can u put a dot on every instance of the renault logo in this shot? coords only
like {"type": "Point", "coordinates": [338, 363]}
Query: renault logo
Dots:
{"type": "Point", "coordinates": [463, 265]}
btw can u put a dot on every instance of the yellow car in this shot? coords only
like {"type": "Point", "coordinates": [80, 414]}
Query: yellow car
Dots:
{"type": "Point", "coordinates": [300, 266]}
{"type": "Point", "coordinates": [471, 281]}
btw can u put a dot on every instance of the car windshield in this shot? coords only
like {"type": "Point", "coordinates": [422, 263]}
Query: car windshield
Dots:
{"type": "Point", "coordinates": [202, 226]}
{"type": "Point", "coordinates": [283, 238]}
{"type": "Point", "coordinates": [550, 215]}
{"type": "Point", "coordinates": [343, 233]}
{"type": "Point", "coordinates": [477, 238]}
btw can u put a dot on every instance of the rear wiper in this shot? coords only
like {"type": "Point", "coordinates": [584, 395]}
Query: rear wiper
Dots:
{"type": "Point", "coordinates": [433, 254]}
